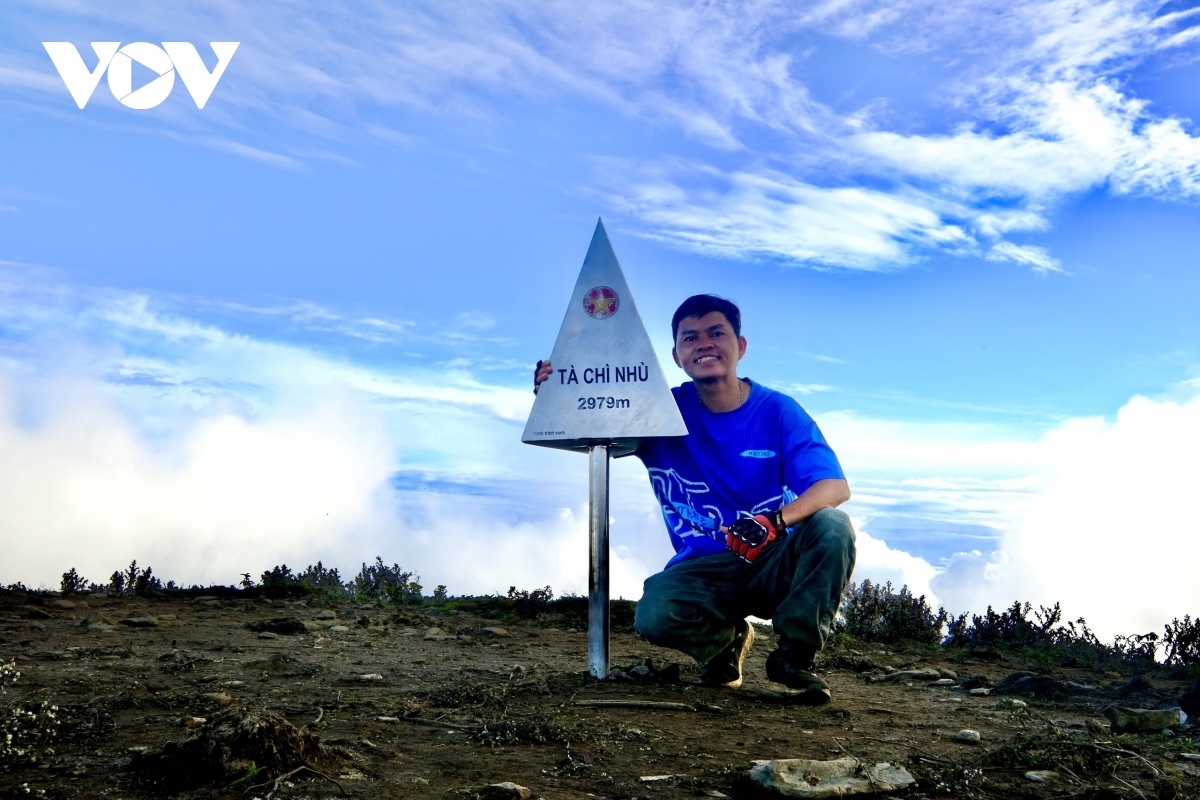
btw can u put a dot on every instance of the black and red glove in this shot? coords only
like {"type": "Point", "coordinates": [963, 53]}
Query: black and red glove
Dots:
{"type": "Point", "coordinates": [749, 536]}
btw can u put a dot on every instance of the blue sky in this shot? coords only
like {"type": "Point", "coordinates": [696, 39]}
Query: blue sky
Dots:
{"type": "Point", "coordinates": [962, 238]}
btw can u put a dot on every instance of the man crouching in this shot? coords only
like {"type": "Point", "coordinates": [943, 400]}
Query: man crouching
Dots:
{"type": "Point", "coordinates": [749, 497]}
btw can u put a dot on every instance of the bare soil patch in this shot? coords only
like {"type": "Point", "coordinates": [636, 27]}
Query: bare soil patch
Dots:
{"type": "Point", "coordinates": [220, 697]}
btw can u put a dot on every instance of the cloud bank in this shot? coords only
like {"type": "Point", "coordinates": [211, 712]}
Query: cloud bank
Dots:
{"type": "Point", "coordinates": [127, 433]}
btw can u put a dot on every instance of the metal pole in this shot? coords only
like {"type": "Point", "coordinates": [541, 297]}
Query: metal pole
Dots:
{"type": "Point", "coordinates": [598, 610]}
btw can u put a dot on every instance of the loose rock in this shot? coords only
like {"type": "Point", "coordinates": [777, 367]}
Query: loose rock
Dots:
{"type": "Point", "coordinates": [503, 791]}
{"type": "Point", "coordinates": [1041, 775]}
{"type": "Point", "coordinates": [1134, 720]}
{"type": "Point", "coordinates": [326, 614]}
{"type": "Point", "coordinates": [913, 675]}
{"type": "Point", "coordinates": [798, 777]}
{"type": "Point", "coordinates": [140, 622]}
{"type": "Point", "coordinates": [339, 629]}
{"type": "Point", "coordinates": [96, 618]}
{"type": "Point", "coordinates": [967, 736]}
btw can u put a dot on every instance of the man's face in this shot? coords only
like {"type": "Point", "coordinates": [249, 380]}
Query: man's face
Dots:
{"type": "Point", "coordinates": [706, 348]}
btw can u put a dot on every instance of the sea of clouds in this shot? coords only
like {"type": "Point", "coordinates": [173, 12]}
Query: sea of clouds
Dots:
{"type": "Point", "coordinates": [1098, 513]}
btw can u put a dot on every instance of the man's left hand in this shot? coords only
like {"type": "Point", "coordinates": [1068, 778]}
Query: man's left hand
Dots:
{"type": "Point", "coordinates": [749, 536]}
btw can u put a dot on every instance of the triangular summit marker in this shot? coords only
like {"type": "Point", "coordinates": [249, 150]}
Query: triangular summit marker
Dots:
{"type": "Point", "coordinates": [607, 386]}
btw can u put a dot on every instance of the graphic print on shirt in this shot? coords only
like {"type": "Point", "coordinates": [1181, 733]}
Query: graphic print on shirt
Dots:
{"type": "Point", "coordinates": [683, 509]}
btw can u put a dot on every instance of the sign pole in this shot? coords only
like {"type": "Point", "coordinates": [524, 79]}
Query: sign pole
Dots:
{"type": "Point", "coordinates": [598, 606]}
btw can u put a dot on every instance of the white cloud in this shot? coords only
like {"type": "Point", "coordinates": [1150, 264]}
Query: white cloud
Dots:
{"type": "Point", "coordinates": [745, 214]}
{"type": "Point", "coordinates": [1111, 531]}
{"type": "Point", "coordinates": [809, 388]}
{"type": "Point", "coordinates": [80, 486]}
{"type": "Point", "coordinates": [1035, 257]}
{"type": "Point", "coordinates": [880, 563]}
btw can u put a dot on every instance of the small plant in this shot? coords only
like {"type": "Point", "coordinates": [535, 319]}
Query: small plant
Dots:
{"type": "Point", "coordinates": [530, 605]}
{"type": "Point", "coordinates": [319, 579]}
{"type": "Point", "coordinates": [146, 583]}
{"type": "Point", "coordinates": [875, 613]}
{"type": "Point", "coordinates": [23, 730]}
{"type": "Point", "coordinates": [1181, 640]}
{"type": "Point", "coordinates": [280, 577]}
{"type": "Point", "coordinates": [386, 584]}
{"type": "Point", "coordinates": [8, 675]}
{"type": "Point", "coordinates": [72, 582]}
{"type": "Point", "coordinates": [251, 772]}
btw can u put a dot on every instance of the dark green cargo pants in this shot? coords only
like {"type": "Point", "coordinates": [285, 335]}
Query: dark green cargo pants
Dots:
{"type": "Point", "coordinates": [796, 583]}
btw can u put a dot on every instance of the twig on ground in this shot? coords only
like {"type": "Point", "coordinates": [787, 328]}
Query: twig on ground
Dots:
{"type": "Point", "coordinates": [1067, 770]}
{"type": "Point", "coordinates": [1130, 785]}
{"type": "Point", "coordinates": [885, 741]}
{"type": "Point", "coordinates": [657, 705]}
{"type": "Point", "coordinates": [932, 758]}
{"type": "Point", "coordinates": [320, 715]}
{"type": "Point", "coordinates": [287, 775]}
{"type": "Point", "coordinates": [1114, 750]}
{"type": "Point", "coordinates": [437, 723]}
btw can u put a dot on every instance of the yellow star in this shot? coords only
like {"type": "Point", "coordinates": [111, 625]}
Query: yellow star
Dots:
{"type": "Point", "coordinates": [602, 304]}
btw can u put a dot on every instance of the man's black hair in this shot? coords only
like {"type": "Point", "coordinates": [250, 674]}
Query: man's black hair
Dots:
{"type": "Point", "coordinates": [700, 304]}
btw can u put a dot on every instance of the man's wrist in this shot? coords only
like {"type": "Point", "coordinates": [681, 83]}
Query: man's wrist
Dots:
{"type": "Point", "coordinates": [777, 521]}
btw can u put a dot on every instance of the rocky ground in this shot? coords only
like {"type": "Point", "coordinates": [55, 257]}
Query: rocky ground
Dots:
{"type": "Point", "coordinates": [219, 697]}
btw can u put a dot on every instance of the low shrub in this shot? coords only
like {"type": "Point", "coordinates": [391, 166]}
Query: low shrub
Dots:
{"type": "Point", "coordinates": [874, 613]}
{"type": "Point", "coordinates": [1181, 641]}
{"type": "Point", "coordinates": [72, 582]}
{"type": "Point", "coordinates": [530, 605]}
{"type": "Point", "coordinates": [386, 584]}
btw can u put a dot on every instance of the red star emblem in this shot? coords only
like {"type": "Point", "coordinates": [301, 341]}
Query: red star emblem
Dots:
{"type": "Point", "coordinates": [600, 302]}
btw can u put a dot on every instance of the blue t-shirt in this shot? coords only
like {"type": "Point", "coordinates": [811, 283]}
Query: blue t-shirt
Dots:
{"type": "Point", "coordinates": [751, 460]}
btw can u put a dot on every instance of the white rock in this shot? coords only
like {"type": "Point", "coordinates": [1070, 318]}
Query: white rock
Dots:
{"type": "Point", "coordinates": [967, 736]}
{"type": "Point", "coordinates": [799, 777]}
{"type": "Point", "coordinates": [1041, 775]}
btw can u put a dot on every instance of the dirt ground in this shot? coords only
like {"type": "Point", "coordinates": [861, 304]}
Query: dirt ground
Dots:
{"type": "Point", "coordinates": [436, 703]}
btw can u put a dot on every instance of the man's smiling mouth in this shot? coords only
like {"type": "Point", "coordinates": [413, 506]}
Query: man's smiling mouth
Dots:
{"type": "Point", "coordinates": [705, 359]}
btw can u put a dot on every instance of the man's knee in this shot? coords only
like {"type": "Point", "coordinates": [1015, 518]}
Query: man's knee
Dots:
{"type": "Point", "coordinates": [833, 525]}
{"type": "Point", "coordinates": [663, 618]}
{"type": "Point", "coordinates": [654, 619]}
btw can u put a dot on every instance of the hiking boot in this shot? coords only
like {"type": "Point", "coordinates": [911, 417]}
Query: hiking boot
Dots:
{"type": "Point", "coordinates": [793, 667]}
{"type": "Point", "coordinates": [724, 670]}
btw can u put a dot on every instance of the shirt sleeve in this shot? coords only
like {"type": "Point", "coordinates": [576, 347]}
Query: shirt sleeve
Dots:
{"type": "Point", "coordinates": [807, 457]}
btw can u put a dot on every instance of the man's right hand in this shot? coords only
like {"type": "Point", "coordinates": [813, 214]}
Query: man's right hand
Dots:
{"type": "Point", "coordinates": [541, 373]}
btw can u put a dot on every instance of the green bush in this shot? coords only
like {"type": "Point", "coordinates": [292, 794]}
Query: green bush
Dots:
{"type": "Point", "coordinates": [874, 613]}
